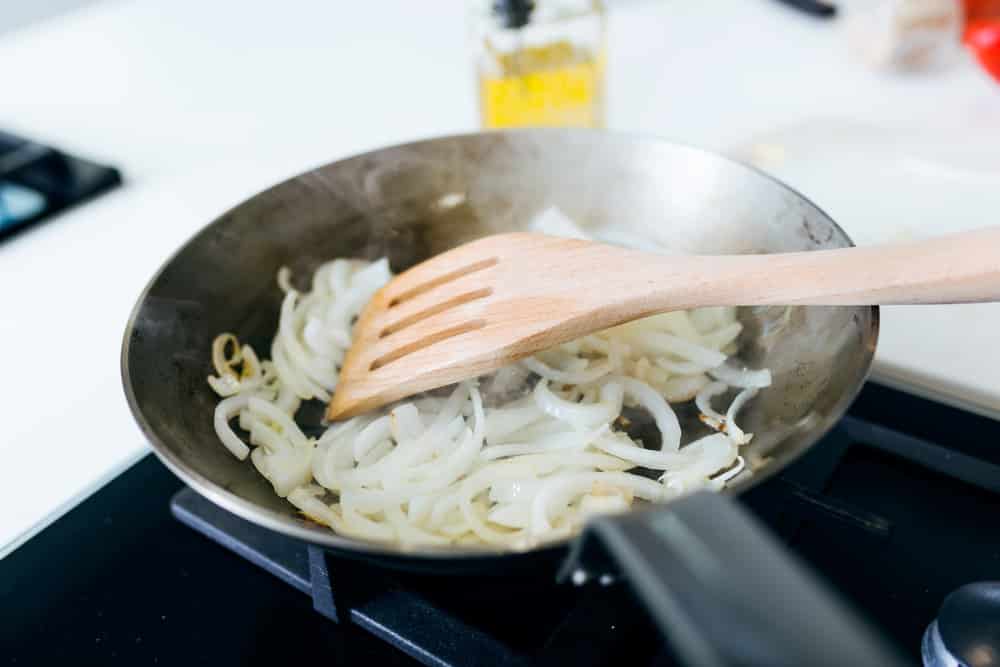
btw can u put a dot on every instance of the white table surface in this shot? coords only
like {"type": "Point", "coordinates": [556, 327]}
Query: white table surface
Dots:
{"type": "Point", "coordinates": [204, 103]}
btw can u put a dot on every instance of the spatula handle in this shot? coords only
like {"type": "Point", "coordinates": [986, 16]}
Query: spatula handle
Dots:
{"type": "Point", "coordinates": [951, 269]}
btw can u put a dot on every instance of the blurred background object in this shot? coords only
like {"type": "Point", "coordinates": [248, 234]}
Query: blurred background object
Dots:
{"type": "Point", "coordinates": [983, 39]}
{"type": "Point", "coordinates": [905, 34]}
{"type": "Point", "coordinates": [981, 9]}
{"type": "Point", "coordinates": [917, 35]}
{"type": "Point", "coordinates": [982, 33]}
{"type": "Point", "coordinates": [540, 62]}
{"type": "Point", "coordinates": [15, 14]}
{"type": "Point", "coordinates": [819, 8]}
{"type": "Point", "coordinates": [37, 182]}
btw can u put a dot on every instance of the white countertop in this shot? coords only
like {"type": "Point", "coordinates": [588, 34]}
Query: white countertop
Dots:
{"type": "Point", "coordinates": [202, 104]}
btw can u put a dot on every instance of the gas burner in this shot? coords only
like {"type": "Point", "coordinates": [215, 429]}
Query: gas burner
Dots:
{"type": "Point", "coordinates": [857, 508]}
{"type": "Point", "coordinates": [431, 619]}
{"type": "Point", "coordinates": [440, 620]}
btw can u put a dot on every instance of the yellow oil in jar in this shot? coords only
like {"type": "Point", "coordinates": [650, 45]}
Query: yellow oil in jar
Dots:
{"type": "Point", "coordinates": [551, 85]}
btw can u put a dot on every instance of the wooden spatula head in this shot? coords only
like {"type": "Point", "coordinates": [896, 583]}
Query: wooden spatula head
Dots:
{"type": "Point", "coordinates": [461, 314]}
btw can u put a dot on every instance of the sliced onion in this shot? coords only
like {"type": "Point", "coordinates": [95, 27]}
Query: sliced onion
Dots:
{"type": "Point", "coordinates": [709, 455]}
{"type": "Point", "coordinates": [585, 376]}
{"type": "Point", "coordinates": [305, 498]}
{"type": "Point", "coordinates": [317, 369]}
{"type": "Point", "coordinates": [654, 403]}
{"type": "Point", "coordinates": [570, 440]}
{"type": "Point", "coordinates": [613, 503]}
{"type": "Point", "coordinates": [221, 361]}
{"type": "Point", "coordinates": [664, 343]}
{"type": "Point", "coordinates": [404, 422]}
{"type": "Point", "coordinates": [680, 367]}
{"type": "Point", "coordinates": [418, 508]}
{"type": "Point", "coordinates": [371, 435]}
{"type": "Point", "coordinates": [437, 471]}
{"type": "Point", "coordinates": [722, 337]}
{"type": "Point", "coordinates": [708, 319]}
{"type": "Point", "coordinates": [409, 534]}
{"type": "Point", "coordinates": [703, 402]}
{"type": "Point", "coordinates": [501, 422]}
{"type": "Point", "coordinates": [339, 274]}
{"type": "Point", "coordinates": [724, 477]}
{"type": "Point", "coordinates": [558, 491]}
{"type": "Point", "coordinates": [224, 411]}
{"type": "Point", "coordinates": [684, 388]}
{"type": "Point", "coordinates": [626, 449]}
{"type": "Point", "coordinates": [375, 454]}
{"type": "Point", "coordinates": [677, 322]}
{"type": "Point", "coordinates": [286, 469]}
{"type": "Point", "coordinates": [357, 525]}
{"type": "Point", "coordinates": [514, 490]}
{"type": "Point", "coordinates": [511, 516]}
{"type": "Point", "coordinates": [744, 379]}
{"type": "Point", "coordinates": [734, 431]}
{"type": "Point", "coordinates": [578, 414]}
{"type": "Point", "coordinates": [280, 419]}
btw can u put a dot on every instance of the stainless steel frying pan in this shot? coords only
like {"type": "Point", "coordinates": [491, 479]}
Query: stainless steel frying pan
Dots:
{"type": "Point", "coordinates": [707, 571]}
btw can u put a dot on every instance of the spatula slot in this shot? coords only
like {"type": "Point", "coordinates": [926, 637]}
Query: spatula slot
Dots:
{"type": "Point", "coordinates": [434, 310]}
{"type": "Point", "coordinates": [426, 341]}
{"type": "Point", "coordinates": [442, 279]}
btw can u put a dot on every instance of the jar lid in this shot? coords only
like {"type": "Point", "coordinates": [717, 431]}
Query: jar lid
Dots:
{"type": "Point", "coordinates": [513, 13]}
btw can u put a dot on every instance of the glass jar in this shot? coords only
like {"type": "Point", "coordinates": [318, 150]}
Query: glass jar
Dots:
{"type": "Point", "coordinates": [540, 63]}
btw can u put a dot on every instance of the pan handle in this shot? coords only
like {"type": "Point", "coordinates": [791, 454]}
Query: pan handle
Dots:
{"type": "Point", "coordinates": [724, 591]}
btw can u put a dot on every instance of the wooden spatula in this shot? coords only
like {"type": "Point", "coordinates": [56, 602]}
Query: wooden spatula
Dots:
{"type": "Point", "coordinates": [482, 305]}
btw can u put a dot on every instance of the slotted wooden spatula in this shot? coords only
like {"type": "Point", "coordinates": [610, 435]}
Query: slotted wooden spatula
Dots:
{"type": "Point", "coordinates": [482, 305]}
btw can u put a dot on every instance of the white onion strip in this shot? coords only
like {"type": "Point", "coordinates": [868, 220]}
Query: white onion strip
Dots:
{"type": "Point", "coordinates": [588, 415]}
{"type": "Point", "coordinates": [654, 403]}
{"type": "Point", "coordinates": [559, 490]}
{"type": "Point", "coordinates": [586, 376]}
{"type": "Point", "coordinates": [745, 379]}
{"type": "Point", "coordinates": [703, 402]}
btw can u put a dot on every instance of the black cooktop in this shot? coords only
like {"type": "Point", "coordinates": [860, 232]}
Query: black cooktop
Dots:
{"type": "Point", "coordinates": [894, 509]}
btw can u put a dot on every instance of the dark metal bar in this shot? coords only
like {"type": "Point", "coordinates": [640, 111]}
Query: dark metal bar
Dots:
{"type": "Point", "coordinates": [279, 555]}
{"type": "Point", "coordinates": [407, 620]}
{"type": "Point", "coordinates": [970, 469]}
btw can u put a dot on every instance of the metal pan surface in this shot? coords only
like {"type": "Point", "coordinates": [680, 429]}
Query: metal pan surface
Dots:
{"type": "Point", "coordinates": [411, 201]}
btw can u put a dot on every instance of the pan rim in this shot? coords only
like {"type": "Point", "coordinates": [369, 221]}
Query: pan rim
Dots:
{"type": "Point", "coordinates": [325, 537]}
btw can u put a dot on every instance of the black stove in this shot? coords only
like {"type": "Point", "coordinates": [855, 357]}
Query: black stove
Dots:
{"type": "Point", "coordinates": [894, 509]}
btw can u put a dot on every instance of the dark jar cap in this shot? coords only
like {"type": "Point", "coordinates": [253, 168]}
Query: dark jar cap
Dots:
{"type": "Point", "coordinates": [513, 13]}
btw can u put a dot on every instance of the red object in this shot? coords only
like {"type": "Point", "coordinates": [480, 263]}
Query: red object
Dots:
{"type": "Point", "coordinates": [983, 39]}
{"type": "Point", "coordinates": [981, 9]}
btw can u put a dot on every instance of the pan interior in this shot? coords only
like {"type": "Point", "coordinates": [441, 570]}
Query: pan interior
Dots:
{"type": "Point", "coordinates": [412, 201]}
